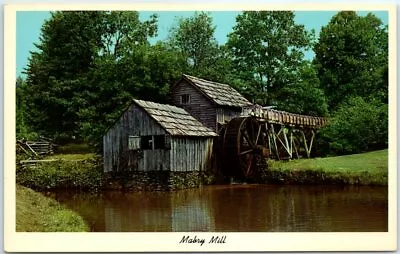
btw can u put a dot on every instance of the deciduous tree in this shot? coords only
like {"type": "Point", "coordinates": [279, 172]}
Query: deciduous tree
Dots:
{"type": "Point", "coordinates": [194, 38]}
{"type": "Point", "coordinates": [351, 57]}
{"type": "Point", "coordinates": [63, 75]}
{"type": "Point", "coordinates": [267, 49]}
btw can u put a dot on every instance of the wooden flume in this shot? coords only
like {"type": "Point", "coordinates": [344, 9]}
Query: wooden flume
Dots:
{"type": "Point", "coordinates": [246, 142]}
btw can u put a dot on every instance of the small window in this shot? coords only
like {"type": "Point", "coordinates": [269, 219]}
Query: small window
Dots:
{"type": "Point", "coordinates": [159, 142]}
{"type": "Point", "coordinates": [146, 142]}
{"type": "Point", "coordinates": [185, 99]}
{"type": "Point", "coordinates": [134, 143]}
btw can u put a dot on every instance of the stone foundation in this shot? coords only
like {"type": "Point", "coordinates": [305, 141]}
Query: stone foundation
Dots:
{"type": "Point", "coordinates": [155, 180]}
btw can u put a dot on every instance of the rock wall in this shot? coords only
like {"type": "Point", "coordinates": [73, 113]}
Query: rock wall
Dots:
{"type": "Point", "coordinates": [156, 180]}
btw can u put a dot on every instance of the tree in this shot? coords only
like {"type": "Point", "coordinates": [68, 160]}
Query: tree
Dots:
{"type": "Point", "coordinates": [267, 48]}
{"type": "Point", "coordinates": [23, 131]}
{"type": "Point", "coordinates": [351, 57]}
{"type": "Point", "coordinates": [62, 79]}
{"type": "Point", "coordinates": [302, 95]}
{"type": "Point", "coordinates": [194, 38]}
{"type": "Point", "coordinates": [122, 31]}
{"type": "Point", "coordinates": [56, 72]}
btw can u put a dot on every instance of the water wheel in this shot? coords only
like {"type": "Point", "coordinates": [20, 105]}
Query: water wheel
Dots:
{"type": "Point", "coordinates": [243, 147]}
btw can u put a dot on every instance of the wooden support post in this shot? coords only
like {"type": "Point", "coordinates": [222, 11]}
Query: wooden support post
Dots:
{"type": "Point", "coordinates": [274, 139]}
{"type": "Point", "coordinates": [286, 143]}
{"type": "Point", "coordinates": [291, 143]}
{"type": "Point", "coordinates": [295, 149]}
{"type": "Point", "coordinates": [308, 148]}
{"type": "Point", "coordinates": [311, 142]}
{"type": "Point", "coordinates": [286, 146]}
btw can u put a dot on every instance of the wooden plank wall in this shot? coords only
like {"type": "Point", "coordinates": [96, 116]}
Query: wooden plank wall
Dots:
{"type": "Point", "coordinates": [134, 121]}
{"type": "Point", "coordinates": [191, 153]}
{"type": "Point", "coordinates": [200, 106]}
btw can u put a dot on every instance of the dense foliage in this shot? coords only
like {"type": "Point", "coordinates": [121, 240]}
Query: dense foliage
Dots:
{"type": "Point", "coordinates": [62, 174]}
{"type": "Point", "coordinates": [89, 65]}
{"type": "Point", "coordinates": [357, 125]}
{"type": "Point", "coordinates": [351, 58]}
{"type": "Point", "coordinates": [266, 47]}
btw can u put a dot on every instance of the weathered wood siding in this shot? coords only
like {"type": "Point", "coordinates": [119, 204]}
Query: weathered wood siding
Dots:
{"type": "Point", "coordinates": [135, 122]}
{"type": "Point", "coordinates": [199, 107]}
{"type": "Point", "coordinates": [225, 114]}
{"type": "Point", "coordinates": [187, 153]}
{"type": "Point", "coordinates": [191, 153]}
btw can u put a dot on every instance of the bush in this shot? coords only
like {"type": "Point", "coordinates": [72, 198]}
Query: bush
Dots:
{"type": "Point", "coordinates": [86, 175]}
{"type": "Point", "coordinates": [357, 126]}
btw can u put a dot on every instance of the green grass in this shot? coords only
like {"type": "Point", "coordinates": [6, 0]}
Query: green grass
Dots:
{"type": "Point", "coordinates": [72, 156]}
{"type": "Point", "coordinates": [367, 169]}
{"type": "Point", "coordinates": [37, 213]}
{"type": "Point", "coordinates": [372, 162]}
{"type": "Point", "coordinates": [73, 148]}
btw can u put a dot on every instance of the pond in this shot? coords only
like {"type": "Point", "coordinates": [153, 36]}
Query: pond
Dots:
{"type": "Point", "coordinates": [235, 208]}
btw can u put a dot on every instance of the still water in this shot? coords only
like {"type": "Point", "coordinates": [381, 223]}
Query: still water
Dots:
{"type": "Point", "coordinates": [238, 208]}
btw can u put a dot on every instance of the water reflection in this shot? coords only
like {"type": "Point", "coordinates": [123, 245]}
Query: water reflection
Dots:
{"type": "Point", "coordinates": [243, 208]}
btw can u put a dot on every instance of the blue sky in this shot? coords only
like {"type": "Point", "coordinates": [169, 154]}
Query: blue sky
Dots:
{"type": "Point", "coordinates": [30, 22]}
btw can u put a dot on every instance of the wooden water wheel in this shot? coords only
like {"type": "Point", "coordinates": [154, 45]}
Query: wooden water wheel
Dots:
{"type": "Point", "coordinates": [243, 147]}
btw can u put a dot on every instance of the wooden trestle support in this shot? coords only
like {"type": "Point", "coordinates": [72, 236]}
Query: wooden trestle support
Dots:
{"type": "Point", "coordinates": [290, 136]}
{"type": "Point", "coordinates": [288, 142]}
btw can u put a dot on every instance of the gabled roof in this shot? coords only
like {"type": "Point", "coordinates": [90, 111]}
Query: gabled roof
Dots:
{"type": "Point", "coordinates": [220, 94]}
{"type": "Point", "coordinates": [176, 121]}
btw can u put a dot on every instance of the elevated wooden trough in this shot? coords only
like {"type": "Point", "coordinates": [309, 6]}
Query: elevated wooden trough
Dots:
{"type": "Point", "coordinates": [260, 133]}
{"type": "Point", "coordinates": [284, 118]}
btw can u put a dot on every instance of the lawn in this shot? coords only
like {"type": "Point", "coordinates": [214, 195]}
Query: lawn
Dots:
{"type": "Point", "coordinates": [367, 169]}
{"type": "Point", "coordinates": [37, 213]}
{"type": "Point", "coordinates": [373, 162]}
{"type": "Point", "coordinates": [71, 156]}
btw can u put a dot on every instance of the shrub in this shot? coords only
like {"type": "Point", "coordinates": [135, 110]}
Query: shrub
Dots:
{"type": "Point", "coordinates": [86, 174]}
{"type": "Point", "coordinates": [357, 126]}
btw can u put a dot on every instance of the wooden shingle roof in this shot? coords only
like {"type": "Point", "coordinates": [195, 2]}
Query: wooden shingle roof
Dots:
{"type": "Point", "coordinates": [220, 94]}
{"type": "Point", "coordinates": [176, 121]}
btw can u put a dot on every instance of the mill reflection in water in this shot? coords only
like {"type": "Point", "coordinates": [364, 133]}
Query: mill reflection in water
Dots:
{"type": "Point", "coordinates": [237, 208]}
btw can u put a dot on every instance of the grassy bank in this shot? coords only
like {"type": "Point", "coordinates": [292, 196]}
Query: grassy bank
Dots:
{"type": "Point", "coordinates": [366, 168]}
{"type": "Point", "coordinates": [37, 213]}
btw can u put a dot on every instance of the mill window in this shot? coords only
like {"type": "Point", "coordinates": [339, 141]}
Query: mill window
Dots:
{"type": "Point", "coordinates": [155, 142]}
{"type": "Point", "coordinates": [146, 142]}
{"type": "Point", "coordinates": [185, 99]}
{"type": "Point", "coordinates": [159, 142]}
{"type": "Point", "coordinates": [134, 143]}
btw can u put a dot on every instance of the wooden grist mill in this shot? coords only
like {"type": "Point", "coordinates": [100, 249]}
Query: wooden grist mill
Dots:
{"type": "Point", "coordinates": [207, 122]}
{"type": "Point", "coordinates": [247, 141]}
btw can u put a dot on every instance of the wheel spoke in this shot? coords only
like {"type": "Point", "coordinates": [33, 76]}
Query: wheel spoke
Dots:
{"type": "Point", "coordinates": [246, 136]}
{"type": "Point", "coordinates": [252, 131]}
{"type": "Point", "coordinates": [246, 152]}
{"type": "Point", "coordinates": [249, 163]}
{"type": "Point", "coordinates": [258, 134]}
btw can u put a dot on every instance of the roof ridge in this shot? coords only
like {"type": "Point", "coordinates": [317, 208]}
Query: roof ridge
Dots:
{"type": "Point", "coordinates": [219, 93]}
{"type": "Point", "coordinates": [210, 81]}
{"type": "Point", "coordinates": [164, 104]}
